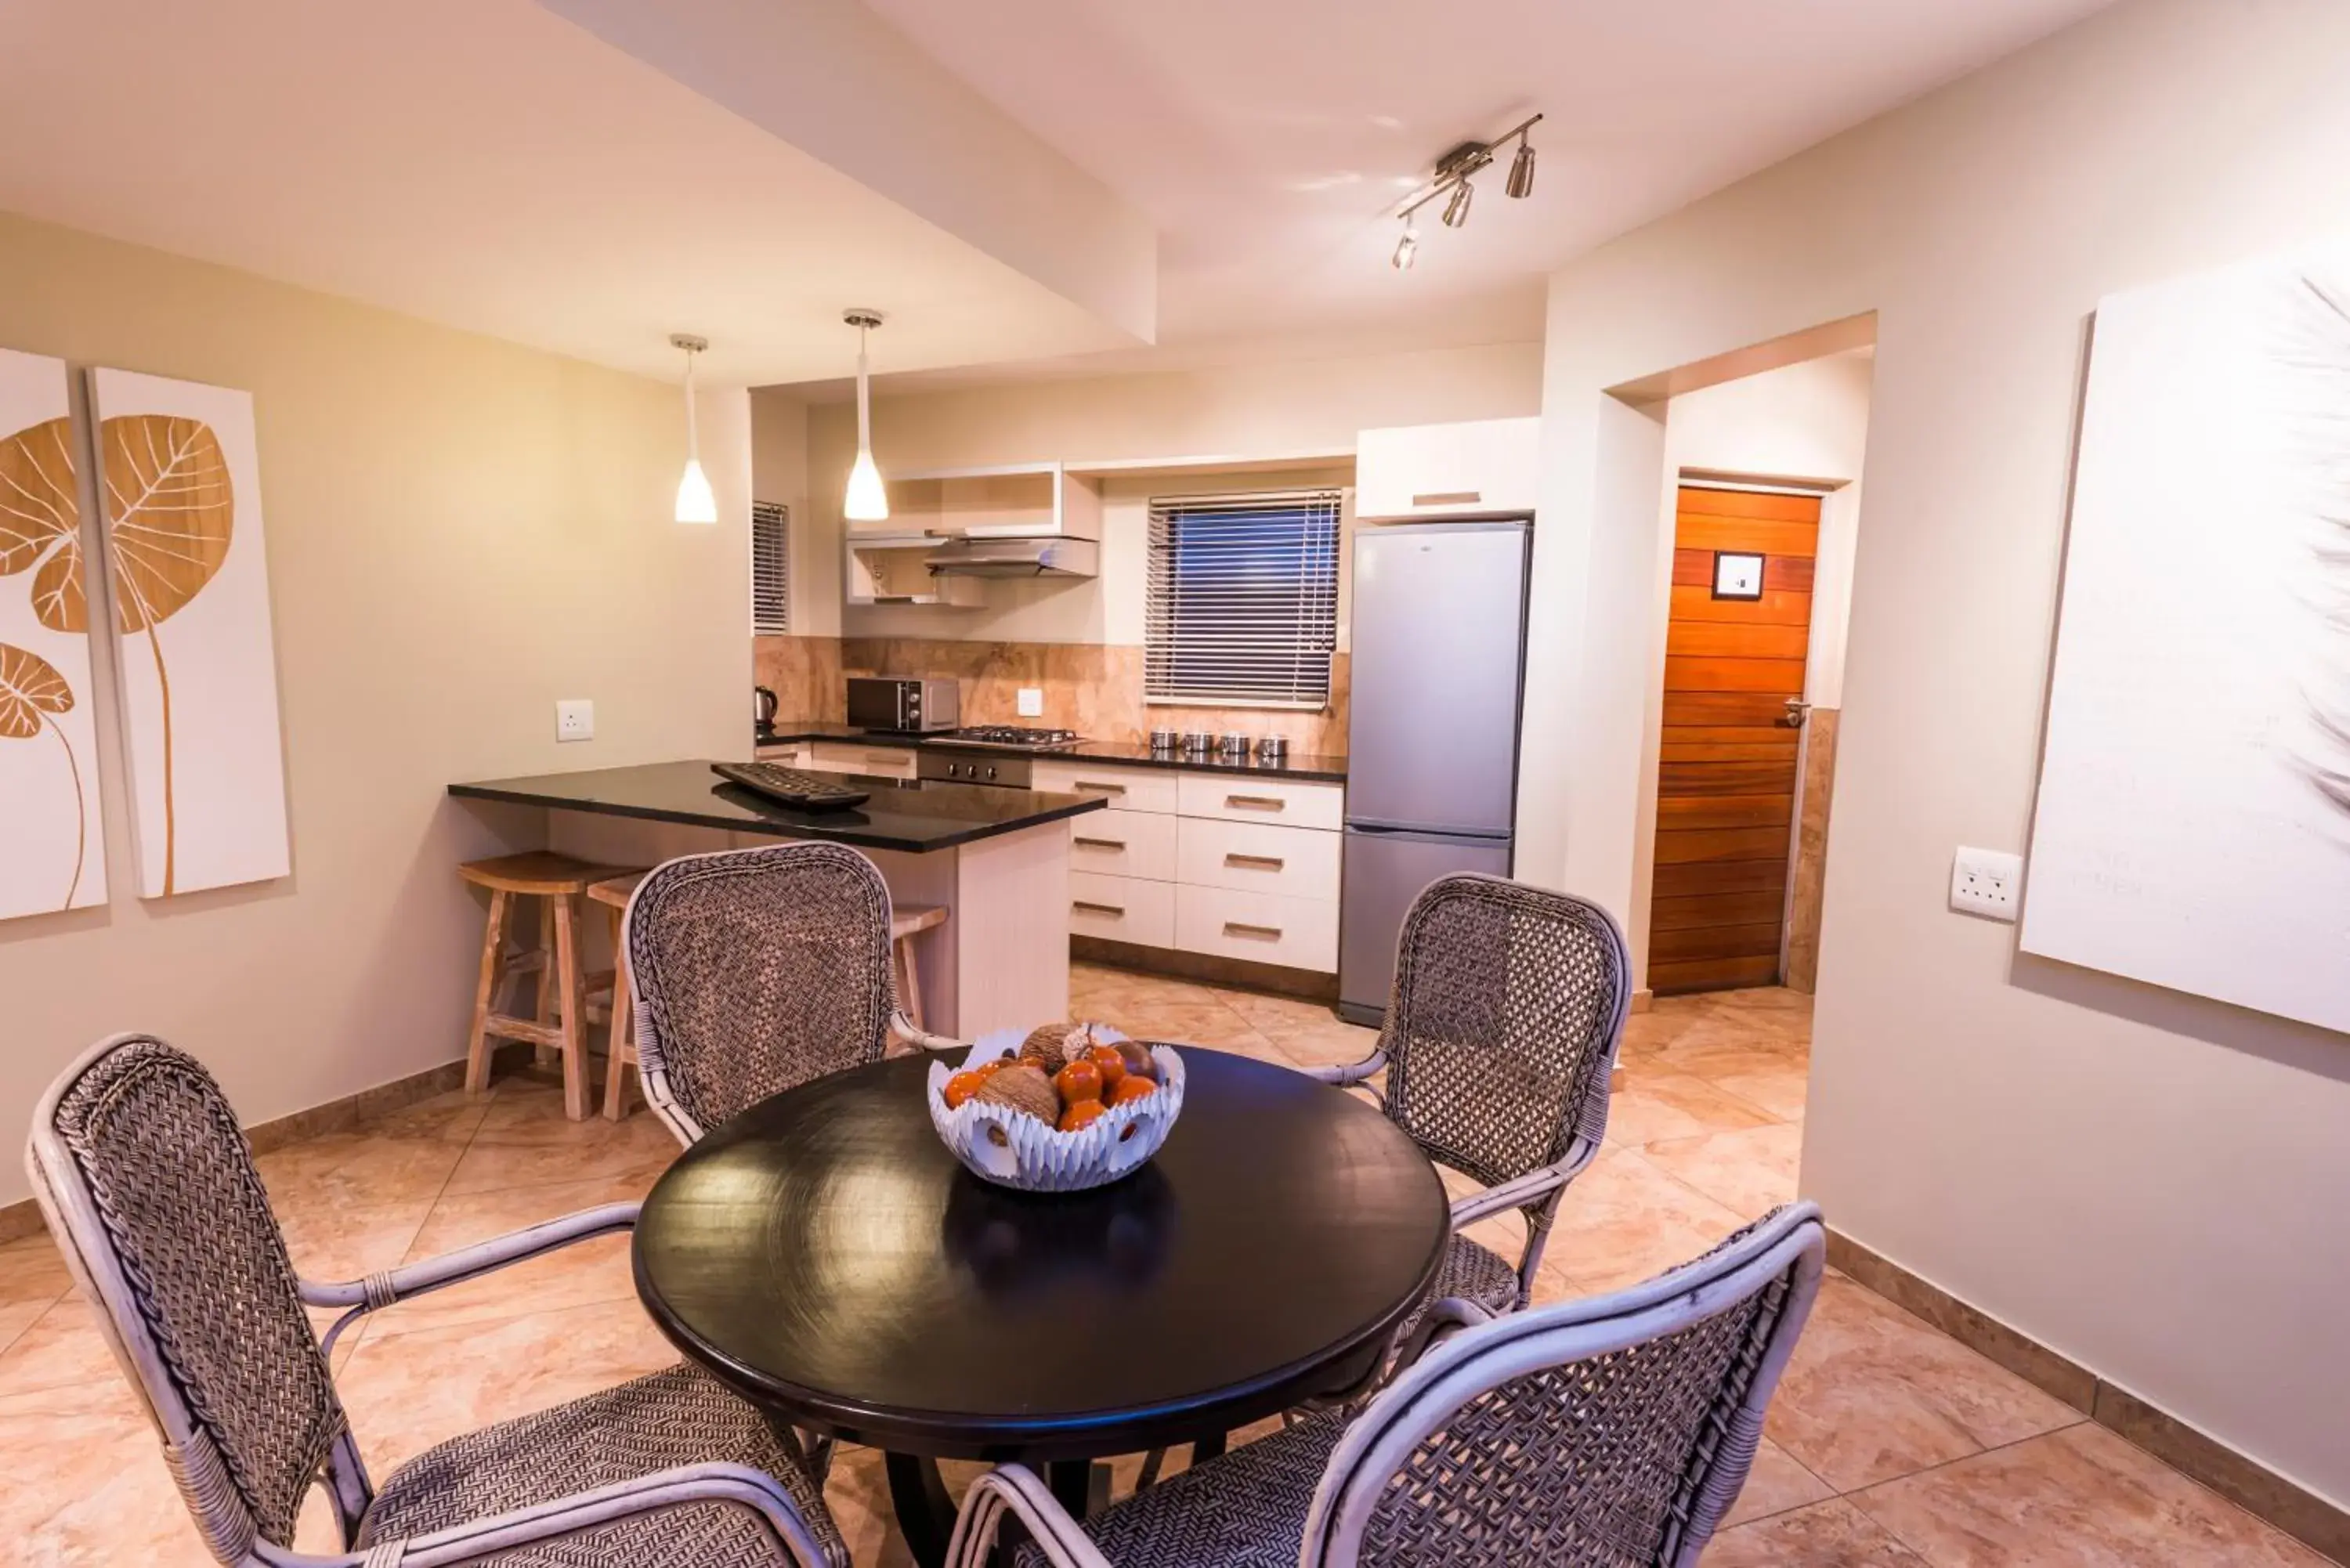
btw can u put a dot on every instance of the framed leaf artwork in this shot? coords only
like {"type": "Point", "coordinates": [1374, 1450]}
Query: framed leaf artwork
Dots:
{"type": "Point", "coordinates": [52, 844]}
{"type": "Point", "coordinates": [179, 498]}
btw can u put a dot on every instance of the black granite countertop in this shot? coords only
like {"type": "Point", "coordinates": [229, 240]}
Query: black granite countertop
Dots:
{"type": "Point", "coordinates": [1294, 766]}
{"type": "Point", "coordinates": [913, 817]}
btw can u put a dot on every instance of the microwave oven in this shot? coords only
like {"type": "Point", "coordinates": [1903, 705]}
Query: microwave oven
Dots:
{"type": "Point", "coordinates": [903, 703]}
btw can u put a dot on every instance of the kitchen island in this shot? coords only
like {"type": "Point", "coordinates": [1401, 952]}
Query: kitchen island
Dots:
{"type": "Point", "coordinates": [997, 860]}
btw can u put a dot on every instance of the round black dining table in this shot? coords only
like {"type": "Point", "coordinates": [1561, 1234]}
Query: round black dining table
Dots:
{"type": "Point", "coordinates": [826, 1255]}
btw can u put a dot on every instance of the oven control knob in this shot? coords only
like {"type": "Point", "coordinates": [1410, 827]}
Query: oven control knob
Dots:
{"type": "Point", "coordinates": [990, 773]}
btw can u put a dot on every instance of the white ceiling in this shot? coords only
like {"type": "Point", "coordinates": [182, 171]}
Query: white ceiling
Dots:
{"type": "Point", "coordinates": [489, 164]}
{"type": "Point", "coordinates": [589, 175]}
{"type": "Point", "coordinates": [1269, 138]}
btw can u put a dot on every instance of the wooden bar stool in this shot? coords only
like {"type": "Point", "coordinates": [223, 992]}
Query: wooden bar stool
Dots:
{"type": "Point", "coordinates": [905, 921]}
{"type": "Point", "coordinates": [557, 881]}
{"type": "Point", "coordinates": [620, 1049]}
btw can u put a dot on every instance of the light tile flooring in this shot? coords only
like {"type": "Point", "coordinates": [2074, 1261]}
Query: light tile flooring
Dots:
{"type": "Point", "coordinates": [1889, 1443]}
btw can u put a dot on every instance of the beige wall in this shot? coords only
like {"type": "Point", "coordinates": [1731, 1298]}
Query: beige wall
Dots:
{"type": "Point", "coordinates": [461, 532]}
{"type": "Point", "coordinates": [2151, 1183]}
{"type": "Point", "coordinates": [1252, 411]}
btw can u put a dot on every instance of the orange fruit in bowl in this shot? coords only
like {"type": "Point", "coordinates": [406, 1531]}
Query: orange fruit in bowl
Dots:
{"type": "Point", "coordinates": [1131, 1090]}
{"type": "Point", "coordinates": [963, 1086]}
{"type": "Point", "coordinates": [1112, 1065]}
{"type": "Point", "coordinates": [1081, 1114]}
{"type": "Point", "coordinates": [1078, 1080]}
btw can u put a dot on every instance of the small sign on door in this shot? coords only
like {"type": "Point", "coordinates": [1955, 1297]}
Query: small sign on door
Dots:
{"type": "Point", "coordinates": [1737, 576]}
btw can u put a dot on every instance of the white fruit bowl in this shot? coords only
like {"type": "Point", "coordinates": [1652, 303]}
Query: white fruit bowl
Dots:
{"type": "Point", "coordinates": [1013, 1148]}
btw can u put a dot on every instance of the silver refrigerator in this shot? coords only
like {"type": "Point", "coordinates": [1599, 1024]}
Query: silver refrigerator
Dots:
{"type": "Point", "coordinates": [1439, 636]}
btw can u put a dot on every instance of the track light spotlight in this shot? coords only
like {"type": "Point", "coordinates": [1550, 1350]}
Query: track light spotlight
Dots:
{"type": "Point", "coordinates": [1456, 211]}
{"type": "Point", "coordinates": [1521, 182]}
{"type": "Point", "coordinates": [1407, 249]}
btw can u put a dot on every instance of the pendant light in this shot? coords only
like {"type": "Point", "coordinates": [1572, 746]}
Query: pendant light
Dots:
{"type": "Point", "coordinates": [695, 501]}
{"type": "Point", "coordinates": [867, 500]}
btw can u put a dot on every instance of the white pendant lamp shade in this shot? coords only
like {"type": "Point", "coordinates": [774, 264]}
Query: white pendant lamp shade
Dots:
{"type": "Point", "coordinates": [696, 503]}
{"type": "Point", "coordinates": [868, 499]}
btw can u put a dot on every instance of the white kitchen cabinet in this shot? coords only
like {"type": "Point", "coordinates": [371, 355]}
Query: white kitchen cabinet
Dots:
{"type": "Point", "coordinates": [1262, 927]}
{"type": "Point", "coordinates": [1478, 468]}
{"type": "Point", "coordinates": [1205, 860]}
{"type": "Point", "coordinates": [1252, 797]}
{"type": "Point", "coordinates": [1257, 858]}
{"type": "Point", "coordinates": [1011, 501]}
{"type": "Point", "coordinates": [1124, 844]}
{"type": "Point", "coordinates": [1126, 788]}
{"type": "Point", "coordinates": [1122, 909]}
{"type": "Point", "coordinates": [893, 568]}
{"type": "Point", "coordinates": [854, 757]}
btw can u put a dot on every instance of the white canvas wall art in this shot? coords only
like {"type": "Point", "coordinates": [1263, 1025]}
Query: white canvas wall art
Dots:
{"type": "Point", "coordinates": [2193, 822]}
{"type": "Point", "coordinates": [52, 844]}
{"type": "Point", "coordinates": [180, 485]}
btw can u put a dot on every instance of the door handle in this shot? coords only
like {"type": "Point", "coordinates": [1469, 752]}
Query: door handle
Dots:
{"type": "Point", "coordinates": [1098, 785]}
{"type": "Point", "coordinates": [1254, 862]}
{"type": "Point", "coordinates": [1242, 929]}
{"type": "Point", "coordinates": [1100, 842]}
{"type": "Point", "coordinates": [1097, 908]}
{"type": "Point", "coordinates": [1797, 710]}
{"type": "Point", "coordinates": [1256, 802]}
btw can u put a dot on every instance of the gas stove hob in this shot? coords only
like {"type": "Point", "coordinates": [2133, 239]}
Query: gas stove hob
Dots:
{"type": "Point", "coordinates": [1009, 735]}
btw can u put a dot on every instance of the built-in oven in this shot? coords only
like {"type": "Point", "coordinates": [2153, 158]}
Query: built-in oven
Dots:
{"type": "Point", "coordinates": [905, 704]}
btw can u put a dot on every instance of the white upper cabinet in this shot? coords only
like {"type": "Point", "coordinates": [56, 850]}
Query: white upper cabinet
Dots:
{"type": "Point", "coordinates": [1480, 468]}
{"type": "Point", "coordinates": [1015, 501]}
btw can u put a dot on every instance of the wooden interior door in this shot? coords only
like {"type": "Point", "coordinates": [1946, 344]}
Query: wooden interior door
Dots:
{"type": "Point", "coordinates": [1726, 774]}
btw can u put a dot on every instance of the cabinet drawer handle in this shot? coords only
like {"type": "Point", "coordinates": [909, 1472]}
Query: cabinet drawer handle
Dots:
{"type": "Point", "coordinates": [1098, 908]}
{"type": "Point", "coordinates": [1098, 785]}
{"type": "Point", "coordinates": [1448, 498]}
{"type": "Point", "coordinates": [1256, 802]}
{"type": "Point", "coordinates": [1100, 842]}
{"type": "Point", "coordinates": [1242, 929]}
{"type": "Point", "coordinates": [887, 759]}
{"type": "Point", "coordinates": [1254, 862]}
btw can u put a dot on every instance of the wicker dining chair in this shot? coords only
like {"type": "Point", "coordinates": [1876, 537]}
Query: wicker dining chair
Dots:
{"type": "Point", "coordinates": [755, 970]}
{"type": "Point", "coordinates": [1613, 1432]}
{"type": "Point", "coordinates": [150, 1189]}
{"type": "Point", "coordinates": [1499, 1044]}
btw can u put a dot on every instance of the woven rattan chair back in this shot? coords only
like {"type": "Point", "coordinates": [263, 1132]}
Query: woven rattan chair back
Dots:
{"type": "Point", "coordinates": [149, 1186]}
{"type": "Point", "coordinates": [1612, 1432]}
{"type": "Point", "coordinates": [1508, 1004]}
{"type": "Point", "coordinates": [755, 970]}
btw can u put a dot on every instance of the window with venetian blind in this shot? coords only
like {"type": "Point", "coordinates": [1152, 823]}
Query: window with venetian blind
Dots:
{"type": "Point", "coordinates": [1242, 599]}
{"type": "Point", "coordinates": [771, 568]}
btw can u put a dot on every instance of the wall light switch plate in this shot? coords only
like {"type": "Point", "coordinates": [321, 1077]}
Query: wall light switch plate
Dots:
{"type": "Point", "coordinates": [1032, 701]}
{"type": "Point", "coordinates": [1987, 882]}
{"type": "Point", "coordinates": [575, 719]}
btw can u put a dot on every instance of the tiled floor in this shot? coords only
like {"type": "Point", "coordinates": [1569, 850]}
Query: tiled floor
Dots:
{"type": "Point", "coordinates": [1889, 1444]}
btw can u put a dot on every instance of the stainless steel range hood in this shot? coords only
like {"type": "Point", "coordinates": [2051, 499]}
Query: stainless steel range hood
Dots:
{"type": "Point", "coordinates": [1035, 558]}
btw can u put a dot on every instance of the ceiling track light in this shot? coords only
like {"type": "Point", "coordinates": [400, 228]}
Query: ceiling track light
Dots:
{"type": "Point", "coordinates": [1450, 180]}
{"type": "Point", "coordinates": [1521, 181]}
{"type": "Point", "coordinates": [1407, 248]}
{"type": "Point", "coordinates": [1456, 211]}
{"type": "Point", "coordinates": [696, 503]}
{"type": "Point", "coordinates": [867, 499]}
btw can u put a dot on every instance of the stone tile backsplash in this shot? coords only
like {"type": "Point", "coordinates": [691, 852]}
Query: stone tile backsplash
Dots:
{"type": "Point", "coordinates": [1092, 688]}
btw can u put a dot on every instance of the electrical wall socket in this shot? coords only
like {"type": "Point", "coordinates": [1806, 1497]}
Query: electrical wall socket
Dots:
{"type": "Point", "coordinates": [1032, 701]}
{"type": "Point", "coordinates": [575, 719]}
{"type": "Point", "coordinates": [1987, 882]}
